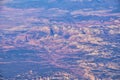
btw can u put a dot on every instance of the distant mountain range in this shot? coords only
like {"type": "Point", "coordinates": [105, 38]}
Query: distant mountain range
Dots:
{"type": "Point", "coordinates": [66, 4]}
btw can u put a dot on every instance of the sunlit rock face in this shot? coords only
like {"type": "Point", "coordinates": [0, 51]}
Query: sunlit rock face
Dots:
{"type": "Point", "coordinates": [59, 40]}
